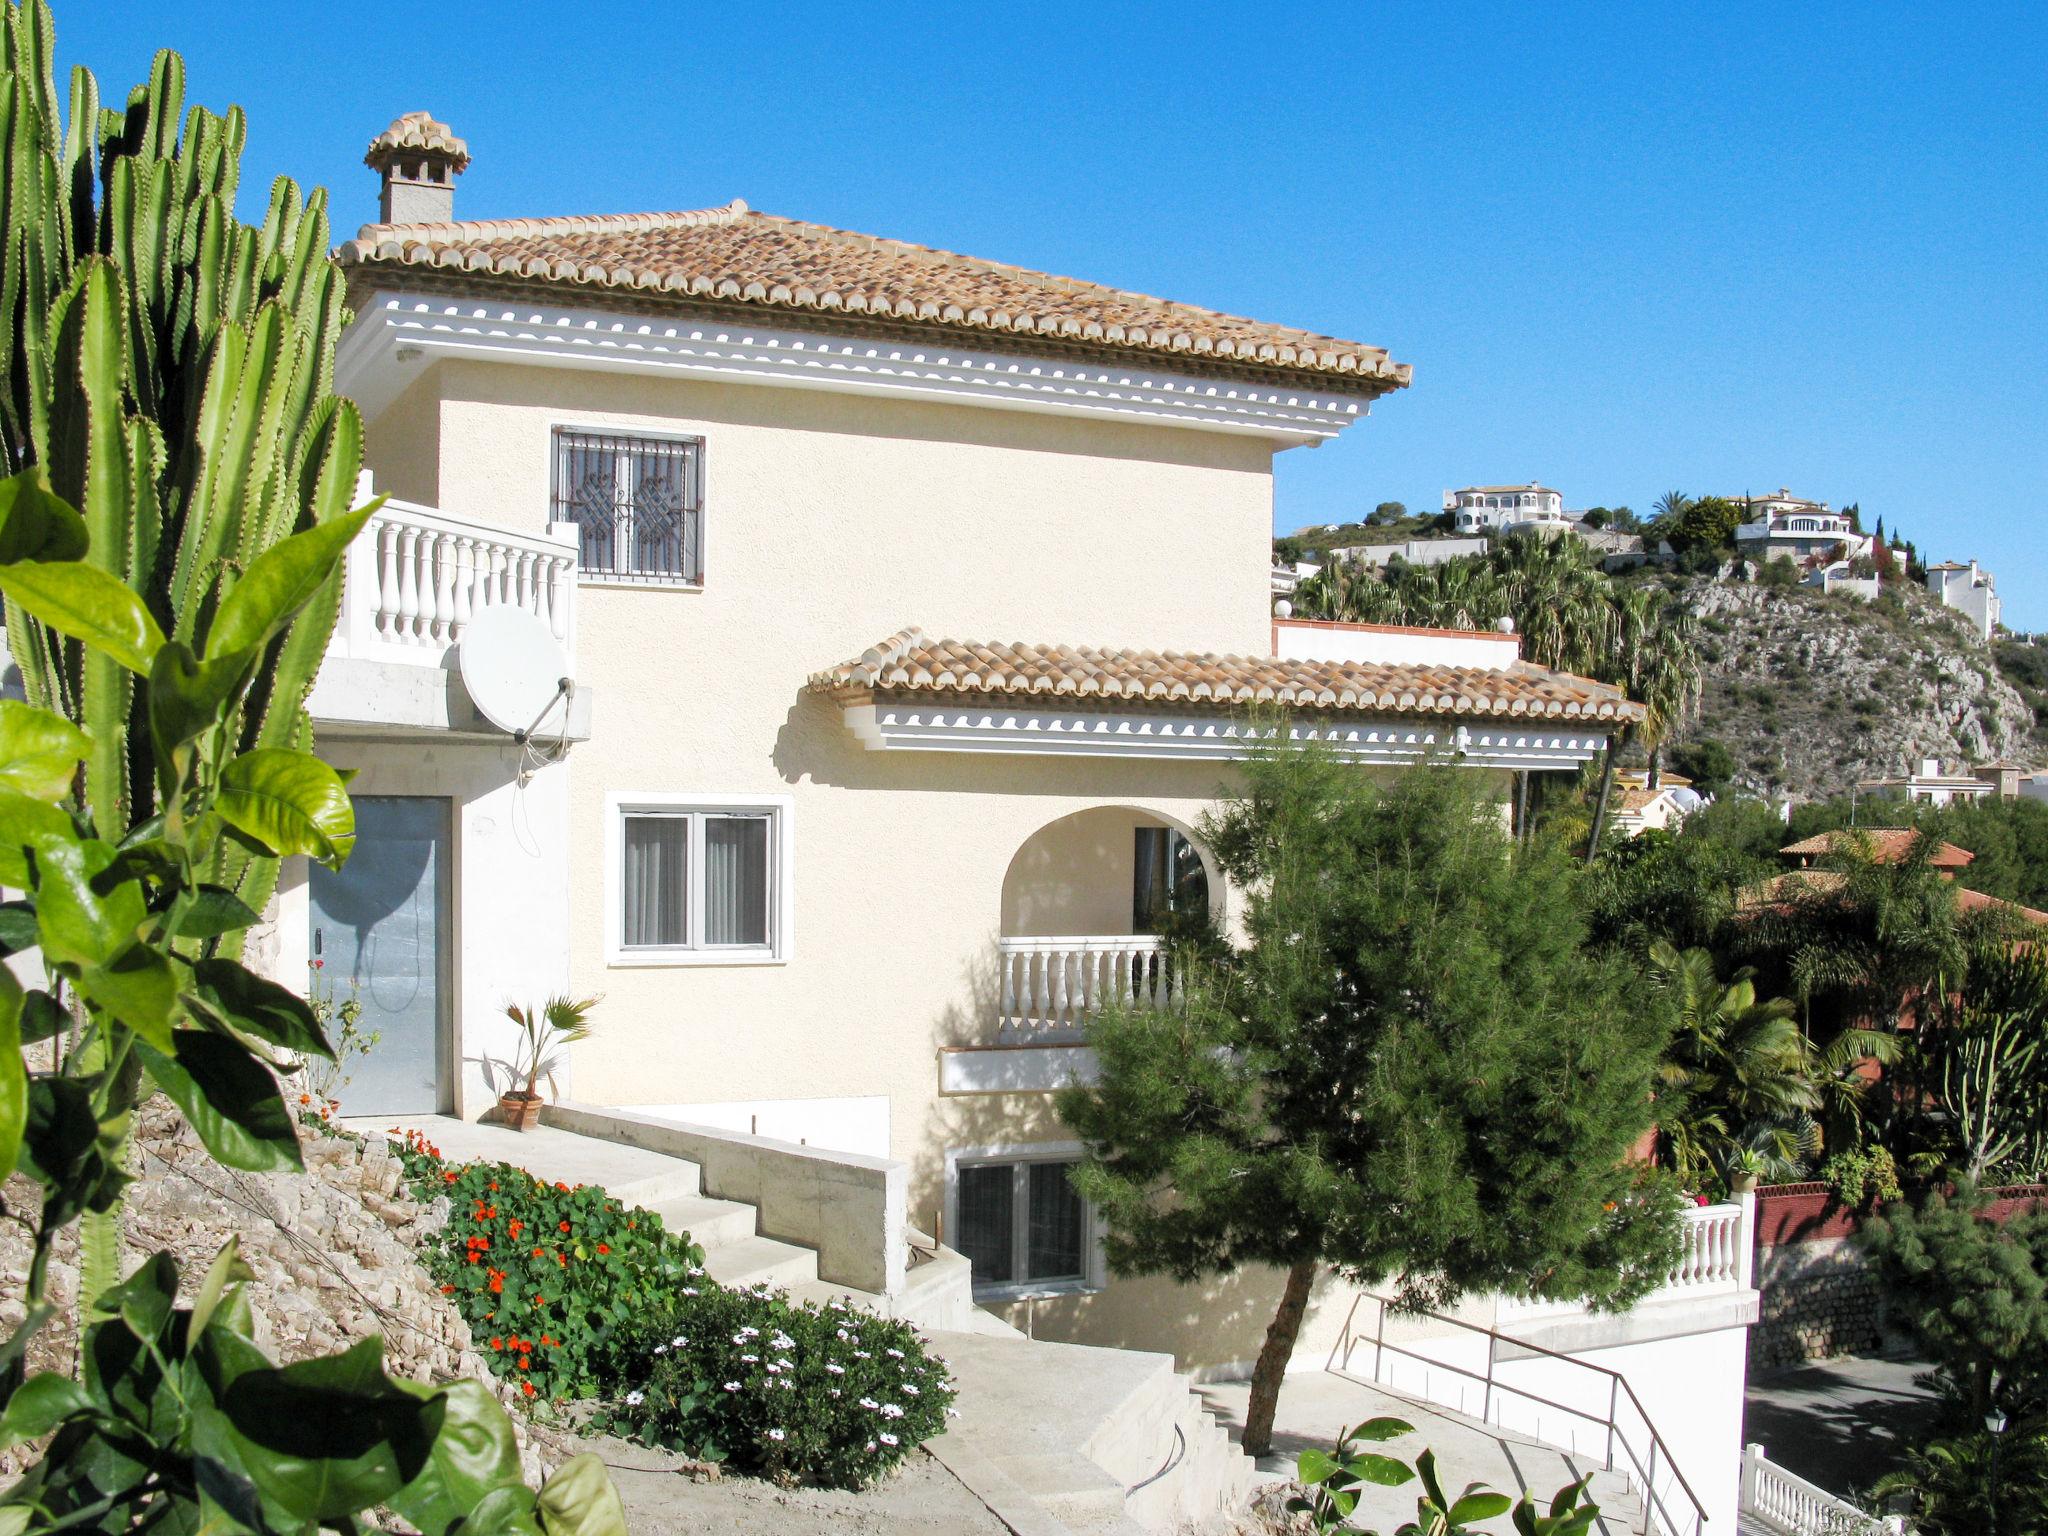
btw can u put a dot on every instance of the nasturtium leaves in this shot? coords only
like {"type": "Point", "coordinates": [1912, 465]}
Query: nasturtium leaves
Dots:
{"type": "Point", "coordinates": [37, 524]}
{"type": "Point", "coordinates": [87, 604]}
{"type": "Point", "coordinates": [39, 751]}
{"type": "Point", "coordinates": [237, 997]}
{"type": "Point", "coordinates": [290, 802]}
{"type": "Point", "coordinates": [230, 1098]}
{"type": "Point", "coordinates": [281, 581]}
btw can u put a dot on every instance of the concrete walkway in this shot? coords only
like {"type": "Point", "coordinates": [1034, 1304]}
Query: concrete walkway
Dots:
{"type": "Point", "coordinates": [1838, 1423]}
{"type": "Point", "coordinates": [543, 1152]}
{"type": "Point", "coordinates": [1315, 1408]}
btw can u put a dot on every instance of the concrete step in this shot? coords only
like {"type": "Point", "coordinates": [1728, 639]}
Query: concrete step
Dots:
{"type": "Point", "coordinates": [710, 1223]}
{"type": "Point", "coordinates": [755, 1260]}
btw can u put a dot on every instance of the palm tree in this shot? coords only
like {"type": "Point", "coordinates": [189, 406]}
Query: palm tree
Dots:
{"type": "Point", "coordinates": [1657, 646]}
{"type": "Point", "coordinates": [1738, 1076]}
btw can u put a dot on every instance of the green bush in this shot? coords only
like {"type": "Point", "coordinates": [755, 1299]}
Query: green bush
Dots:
{"type": "Point", "coordinates": [547, 1276]}
{"type": "Point", "coordinates": [797, 1393]}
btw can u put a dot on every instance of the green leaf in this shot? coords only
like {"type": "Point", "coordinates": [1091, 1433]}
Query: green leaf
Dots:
{"type": "Point", "coordinates": [39, 1405]}
{"type": "Point", "coordinates": [1381, 1429]}
{"type": "Point", "coordinates": [23, 823]}
{"type": "Point", "coordinates": [36, 524]}
{"type": "Point", "coordinates": [238, 998]}
{"type": "Point", "coordinates": [579, 1500]}
{"type": "Point", "coordinates": [42, 1018]}
{"type": "Point", "coordinates": [79, 922]}
{"type": "Point", "coordinates": [189, 697]}
{"type": "Point", "coordinates": [17, 927]}
{"type": "Point", "coordinates": [290, 802]}
{"type": "Point", "coordinates": [13, 1073]}
{"type": "Point", "coordinates": [215, 910]}
{"type": "Point", "coordinates": [1425, 1468]}
{"type": "Point", "coordinates": [474, 1454]}
{"type": "Point", "coordinates": [230, 1098]}
{"type": "Point", "coordinates": [507, 1512]}
{"type": "Point", "coordinates": [138, 987]}
{"type": "Point", "coordinates": [1314, 1466]}
{"type": "Point", "coordinates": [281, 581]}
{"type": "Point", "coordinates": [39, 751]}
{"type": "Point", "coordinates": [146, 1299]}
{"type": "Point", "coordinates": [330, 1438]}
{"type": "Point", "coordinates": [87, 604]}
{"type": "Point", "coordinates": [226, 1268]}
{"type": "Point", "coordinates": [1483, 1505]}
{"type": "Point", "coordinates": [1370, 1467]}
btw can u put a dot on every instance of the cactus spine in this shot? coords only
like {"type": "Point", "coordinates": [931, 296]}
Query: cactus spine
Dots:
{"type": "Point", "coordinates": [171, 370]}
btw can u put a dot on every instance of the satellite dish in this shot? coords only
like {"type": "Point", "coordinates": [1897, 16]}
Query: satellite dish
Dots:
{"type": "Point", "coordinates": [513, 668]}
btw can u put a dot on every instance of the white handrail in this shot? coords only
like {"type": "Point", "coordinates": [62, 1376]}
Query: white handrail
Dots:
{"type": "Point", "coordinates": [1789, 1504]}
{"type": "Point", "coordinates": [1053, 986]}
{"type": "Point", "coordinates": [415, 577]}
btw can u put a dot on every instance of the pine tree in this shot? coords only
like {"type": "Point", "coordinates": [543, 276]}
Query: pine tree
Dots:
{"type": "Point", "coordinates": [1415, 1071]}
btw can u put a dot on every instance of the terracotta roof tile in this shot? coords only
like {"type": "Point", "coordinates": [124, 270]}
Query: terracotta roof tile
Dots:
{"type": "Point", "coordinates": [910, 662]}
{"type": "Point", "coordinates": [1888, 845]}
{"type": "Point", "coordinates": [415, 131]}
{"type": "Point", "coordinates": [1783, 893]}
{"type": "Point", "coordinates": [736, 255]}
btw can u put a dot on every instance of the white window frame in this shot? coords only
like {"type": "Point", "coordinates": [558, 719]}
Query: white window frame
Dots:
{"type": "Point", "coordinates": [1094, 1268]}
{"type": "Point", "coordinates": [781, 813]}
{"type": "Point", "coordinates": [586, 578]}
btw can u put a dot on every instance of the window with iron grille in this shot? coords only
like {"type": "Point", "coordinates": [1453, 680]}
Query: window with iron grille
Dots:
{"type": "Point", "coordinates": [638, 501]}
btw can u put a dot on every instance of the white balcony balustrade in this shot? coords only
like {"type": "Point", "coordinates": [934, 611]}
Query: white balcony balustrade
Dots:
{"type": "Point", "coordinates": [1052, 987]}
{"type": "Point", "coordinates": [415, 578]}
{"type": "Point", "coordinates": [1714, 1258]}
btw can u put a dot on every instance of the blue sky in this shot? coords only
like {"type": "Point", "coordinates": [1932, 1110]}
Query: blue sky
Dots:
{"type": "Point", "coordinates": [1627, 248]}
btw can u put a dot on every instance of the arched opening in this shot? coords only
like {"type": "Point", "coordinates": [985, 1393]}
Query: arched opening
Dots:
{"type": "Point", "coordinates": [1090, 905]}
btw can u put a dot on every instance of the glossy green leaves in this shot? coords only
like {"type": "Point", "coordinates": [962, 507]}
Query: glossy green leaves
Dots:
{"type": "Point", "coordinates": [290, 802]}
{"type": "Point", "coordinates": [89, 605]}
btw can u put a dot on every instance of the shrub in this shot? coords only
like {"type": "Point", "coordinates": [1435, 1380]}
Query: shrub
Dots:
{"type": "Point", "coordinates": [547, 1276]}
{"type": "Point", "coordinates": [1863, 1176]}
{"type": "Point", "coordinates": [798, 1393]}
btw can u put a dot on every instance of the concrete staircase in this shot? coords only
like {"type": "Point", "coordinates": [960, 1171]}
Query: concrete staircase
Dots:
{"type": "Point", "coordinates": [1055, 1438]}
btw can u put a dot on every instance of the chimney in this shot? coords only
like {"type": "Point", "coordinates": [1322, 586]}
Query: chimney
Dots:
{"type": "Point", "coordinates": [1930, 767]}
{"type": "Point", "coordinates": [418, 160]}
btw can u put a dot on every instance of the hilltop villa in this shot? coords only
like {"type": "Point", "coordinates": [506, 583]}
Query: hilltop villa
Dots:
{"type": "Point", "coordinates": [1787, 527]}
{"type": "Point", "coordinates": [1968, 590]}
{"type": "Point", "coordinates": [1506, 508]}
{"type": "Point", "coordinates": [862, 763]}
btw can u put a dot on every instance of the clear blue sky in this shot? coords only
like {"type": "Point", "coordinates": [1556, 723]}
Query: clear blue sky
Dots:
{"type": "Point", "coordinates": [1628, 248]}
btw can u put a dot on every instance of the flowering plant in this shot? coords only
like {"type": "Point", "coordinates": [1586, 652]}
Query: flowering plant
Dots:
{"type": "Point", "coordinates": [342, 1020]}
{"type": "Point", "coordinates": [545, 1275]}
{"type": "Point", "coordinates": [798, 1393]}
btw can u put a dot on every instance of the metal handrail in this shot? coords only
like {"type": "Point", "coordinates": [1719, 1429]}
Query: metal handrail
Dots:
{"type": "Point", "coordinates": [1617, 1384]}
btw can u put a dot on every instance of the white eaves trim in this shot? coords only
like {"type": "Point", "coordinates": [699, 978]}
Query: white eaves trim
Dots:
{"type": "Point", "coordinates": [930, 727]}
{"type": "Point", "coordinates": [397, 335]}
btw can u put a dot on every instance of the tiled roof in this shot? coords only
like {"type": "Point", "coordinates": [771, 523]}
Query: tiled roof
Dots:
{"type": "Point", "coordinates": [910, 662]}
{"type": "Point", "coordinates": [415, 132]}
{"type": "Point", "coordinates": [1977, 901]}
{"type": "Point", "coordinates": [1634, 801]}
{"type": "Point", "coordinates": [737, 255]}
{"type": "Point", "coordinates": [1888, 845]}
{"type": "Point", "coordinates": [1492, 489]}
{"type": "Point", "coordinates": [1781, 893]}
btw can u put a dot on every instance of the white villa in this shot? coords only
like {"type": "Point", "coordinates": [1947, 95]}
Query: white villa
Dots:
{"type": "Point", "coordinates": [1931, 786]}
{"type": "Point", "coordinates": [1506, 508]}
{"type": "Point", "coordinates": [1787, 527]}
{"type": "Point", "coordinates": [1968, 590]}
{"type": "Point", "coordinates": [861, 765]}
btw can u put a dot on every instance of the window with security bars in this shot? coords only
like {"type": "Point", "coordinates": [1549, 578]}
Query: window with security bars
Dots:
{"type": "Point", "coordinates": [638, 502]}
{"type": "Point", "coordinates": [1021, 1225]}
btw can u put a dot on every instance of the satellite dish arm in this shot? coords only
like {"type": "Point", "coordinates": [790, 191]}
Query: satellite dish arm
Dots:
{"type": "Point", "coordinates": [564, 688]}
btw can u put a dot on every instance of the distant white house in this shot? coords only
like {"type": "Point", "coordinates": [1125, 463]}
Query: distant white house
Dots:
{"type": "Point", "coordinates": [1639, 808]}
{"type": "Point", "coordinates": [1287, 576]}
{"type": "Point", "coordinates": [1504, 508]}
{"type": "Point", "coordinates": [1788, 527]}
{"type": "Point", "coordinates": [1930, 786]}
{"type": "Point", "coordinates": [1968, 590]}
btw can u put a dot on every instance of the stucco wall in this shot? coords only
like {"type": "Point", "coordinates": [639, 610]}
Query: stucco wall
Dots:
{"type": "Point", "coordinates": [1075, 876]}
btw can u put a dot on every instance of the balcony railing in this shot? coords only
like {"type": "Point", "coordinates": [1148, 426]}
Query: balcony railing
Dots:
{"type": "Point", "coordinates": [1053, 987]}
{"type": "Point", "coordinates": [416, 577]}
{"type": "Point", "coordinates": [1713, 1257]}
{"type": "Point", "coordinates": [1781, 1501]}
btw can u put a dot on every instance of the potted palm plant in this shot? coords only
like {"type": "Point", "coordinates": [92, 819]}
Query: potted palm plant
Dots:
{"type": "Point", "coordinates": [546, 1031]}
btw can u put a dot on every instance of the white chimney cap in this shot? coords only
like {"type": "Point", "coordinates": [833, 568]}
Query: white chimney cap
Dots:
{"type": "Point", "coordinates": [1505, 625]}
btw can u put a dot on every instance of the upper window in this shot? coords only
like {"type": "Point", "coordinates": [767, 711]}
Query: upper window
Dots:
{"type": "Point", "coordinates": [638, 501]}
{"type": "Point", "coordinates": [698, 882]}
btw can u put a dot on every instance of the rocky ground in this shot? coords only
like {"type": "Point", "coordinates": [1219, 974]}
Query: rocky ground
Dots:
{"type": "Point", "coordinates": [1812, 694]}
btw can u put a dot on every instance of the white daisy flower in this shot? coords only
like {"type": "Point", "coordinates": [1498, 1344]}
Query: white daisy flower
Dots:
{"type": "Point", "coordinates": [909, 1390]}
{"type": "Point", "coordinates": [732, 1386]}
{"type": "Point", "coordinates": [751, 1359]}
{"type": "Point", "coordinates": [869, 1403]}
{"type": "Point", "coordinates": [776, 1434]}
{"type": "Point", "coordinates": [893, 1354]}
{"type": "Point", "coordinates": [678, 1341]}
{"type": "Point", "coordinates": [891, 1411]}
{"type": "Point", "coordinates": [635, 1399]}
{"type": "Point", "coordinates": [834, 1368]}
{"type": "Point", "coordinates": [886, 1439]}
{"type": "Point", "coordinates": [661, 1349]}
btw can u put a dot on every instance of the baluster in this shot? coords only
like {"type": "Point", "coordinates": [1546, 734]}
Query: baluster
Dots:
{"type": "Point", "coordinates": [524, 572]}
{"type": "Point", "coordinates": [429, 589]}
{"type": "Point", "coordinates": [1062, 962]}
{"type": "Point", "coordinates": [1006, 1010]}
{"type": "Point", "coordinates": [441, 557]}
{"type": "Point", "coordinates": [386, 609]}
{"type": "Point", "coordinates": [1034, 985]}
{"type": "Point", "coordinates": [558, 605]}
{"type": "Point", "coordinates": [408, 585]}
{"type": "Point", "coordinates": [465, 578]}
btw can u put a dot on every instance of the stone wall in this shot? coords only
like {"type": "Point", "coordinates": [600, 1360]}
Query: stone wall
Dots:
{"type": "Point", "coordinates": [1817, 1299]}
{"type": "Point", "coordinates": [332, 1254]}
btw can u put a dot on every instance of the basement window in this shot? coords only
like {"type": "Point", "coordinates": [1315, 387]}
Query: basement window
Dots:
{"type": "Point", "coordinates": [1020, 1223]}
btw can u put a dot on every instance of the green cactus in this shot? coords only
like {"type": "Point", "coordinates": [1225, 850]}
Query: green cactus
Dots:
{"type": "Point", "coordinates": [171, 370]}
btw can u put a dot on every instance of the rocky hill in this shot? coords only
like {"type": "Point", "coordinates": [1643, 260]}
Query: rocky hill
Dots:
{"type": "Point", "coordinates": [1811, 694]}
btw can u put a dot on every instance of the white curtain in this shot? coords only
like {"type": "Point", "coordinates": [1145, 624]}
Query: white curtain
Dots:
{"type": "Point", "coordinates": [735, 880]}
{"type": "Point", "coordinates": [657, 870]}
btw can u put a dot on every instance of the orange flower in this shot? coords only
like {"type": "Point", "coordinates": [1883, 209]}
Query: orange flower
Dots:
{"type": "Point", "coordinates": [562, 1227]}
{"type": "Point", "coordinates": [515, 1226]}
{"type": "Point", "coordinates": [494, 1186]}
{"type": "Point", "coordinates": [562, 1259]}
{"type": "Point", "coordinates": [526, 1387]}
{"type": "Point", "coordinates": [604, 1247]}
{"type": "Point", "coordinates": [497, 1282]}
{"type": "Point", "coordinates": [537, 1253]}
{"type": "Point", "coordinates": [305, 1098]}
{"type": "Point", "coordinates": [524, 1346]}
{"type": "Point", "coordinates": [524, 1363]}
{"type": "Point", "coordinates": [497, 1343]}
{"type": "Point", "coordinates": [451, 1175]}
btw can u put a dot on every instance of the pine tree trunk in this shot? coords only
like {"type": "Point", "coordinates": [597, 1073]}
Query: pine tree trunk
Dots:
{"type": "Point", "coordinates": [1273, 1357]}
{"type": "Point", "coordinates": [1600, 808]}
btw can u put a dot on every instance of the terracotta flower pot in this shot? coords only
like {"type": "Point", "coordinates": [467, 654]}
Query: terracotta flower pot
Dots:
{"type": "Point", "coordinates": [521, 1111]}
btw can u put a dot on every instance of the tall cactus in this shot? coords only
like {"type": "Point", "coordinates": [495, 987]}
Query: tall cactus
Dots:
{"type": "Point", "coordinates": [171, 370]}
